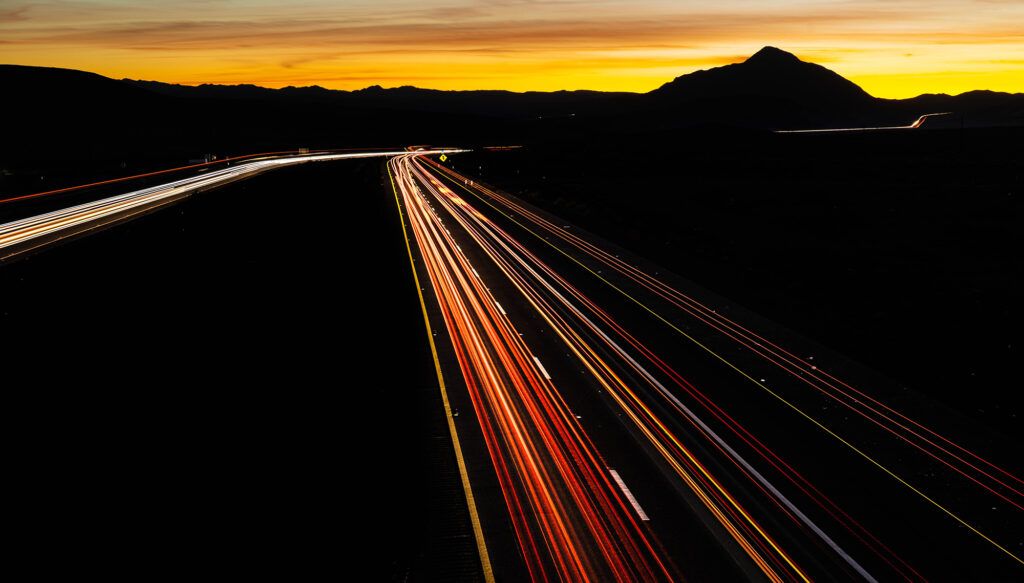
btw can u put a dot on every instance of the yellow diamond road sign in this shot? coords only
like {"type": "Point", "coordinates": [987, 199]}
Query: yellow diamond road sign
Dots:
{"type": "Point", "coordinates": [443, 157]}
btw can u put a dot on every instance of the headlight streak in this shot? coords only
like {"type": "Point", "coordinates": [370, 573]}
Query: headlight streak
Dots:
{"type": "Point", "coordinates": [145, 175]}
{"type": "Point", "coordinates": [808, 374]}
{"type": "Point", "coordinates": [518, 252]}
{"type": "Point", "coordinates": [749, 534]}
{"type": "Point", "coordinates": [791, 364]}
{"type": "Point", "coordinates": [571, 520]}
{"type": "Point", "coordinates": [988, 476]}
{"type": "Point", "coordinates": [18, 236]}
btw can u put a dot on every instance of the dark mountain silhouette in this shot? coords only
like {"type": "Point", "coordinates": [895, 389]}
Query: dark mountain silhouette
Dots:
{"type": "Point", "coordinates": [85, 126]}
{"type": "Point", "coordinates": [62, 110]}
{"type": "Point", "coordinates": [771, 89]}
{"type": "Point", "coordinates": [769, 73]}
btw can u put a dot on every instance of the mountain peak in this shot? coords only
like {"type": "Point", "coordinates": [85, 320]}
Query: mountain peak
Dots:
{"type": "Point", "coordinates": [772, 55]}
{"type": "Point", "coordinates": [770, 78]}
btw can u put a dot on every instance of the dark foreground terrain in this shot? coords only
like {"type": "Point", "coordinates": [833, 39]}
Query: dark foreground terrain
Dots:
{"type": "Point", "coordinates": [185, 404]}
{"type": "Point", "coordinates": [896, 249]}
{"type": "Point", "coordinates": [186, 392]}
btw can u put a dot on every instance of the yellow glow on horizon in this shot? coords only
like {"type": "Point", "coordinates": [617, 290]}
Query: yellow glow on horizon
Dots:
{"type": "Point", "coordinates": [899, 48]}
{"type": "Point", "coordinates": [901, 86]}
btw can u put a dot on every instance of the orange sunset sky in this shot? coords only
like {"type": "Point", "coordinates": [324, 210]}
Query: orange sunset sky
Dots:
{"type": "Point", "coordinates": [892, 48]}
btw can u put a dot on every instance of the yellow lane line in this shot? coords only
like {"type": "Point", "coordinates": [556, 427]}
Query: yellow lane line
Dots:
{"type": "Point", "coordinates": [474, 517]}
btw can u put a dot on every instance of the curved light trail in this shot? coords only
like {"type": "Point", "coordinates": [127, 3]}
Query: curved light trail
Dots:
{"type": "Point", "coordinates": [30, 233]}
{"type": "Point", "coordinates": [913, 126]}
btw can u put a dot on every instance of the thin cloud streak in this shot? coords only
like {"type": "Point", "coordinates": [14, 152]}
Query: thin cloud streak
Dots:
{"type": "Point", "coordinates": [525, 45]}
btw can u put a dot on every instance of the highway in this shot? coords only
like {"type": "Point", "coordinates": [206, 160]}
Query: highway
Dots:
{"type": "Point", "coordinates": [628, 417]}
{"type": "Point", "coordinates": [31, 233]}
{"type": "Point", "coordinates": [612, 421]}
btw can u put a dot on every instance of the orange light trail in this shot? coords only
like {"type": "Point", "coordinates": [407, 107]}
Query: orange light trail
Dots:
{"type": "Point", "coordinates": [763, 550]}
{"type": "Point", "coordinates": [991, 479]}
{"type": "Point", "coordinates": [999, 481]}
{"type": "Point", "coordinates": [570, 518]}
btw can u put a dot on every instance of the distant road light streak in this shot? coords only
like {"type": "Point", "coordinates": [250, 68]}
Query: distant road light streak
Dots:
{"type": "Point", "coordinates": [917, 123]}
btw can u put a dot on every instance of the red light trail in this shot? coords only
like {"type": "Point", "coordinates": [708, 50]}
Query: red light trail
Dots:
{"type": "Point", "coordinates": [743, 500]}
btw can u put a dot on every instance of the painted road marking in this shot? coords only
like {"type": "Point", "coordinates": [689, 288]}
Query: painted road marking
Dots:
{"type": "Point", "coordinates": [542, 369]}
{"type": "Point", "coordinates": [629, 495]}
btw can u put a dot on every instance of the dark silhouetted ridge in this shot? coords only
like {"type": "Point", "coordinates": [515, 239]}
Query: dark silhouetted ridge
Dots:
{"type": "Point", "coordinates": [771, 89]}
{"type": "Point", "coordinates": [770, 74]}
{"type": "Point", "coordinates": [74, 114]}
{"type": "Point", "coordinates": [25, 85]}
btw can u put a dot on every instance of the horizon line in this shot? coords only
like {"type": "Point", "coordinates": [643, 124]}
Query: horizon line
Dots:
{"type": "Point", "coordinates": [378, 85]}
